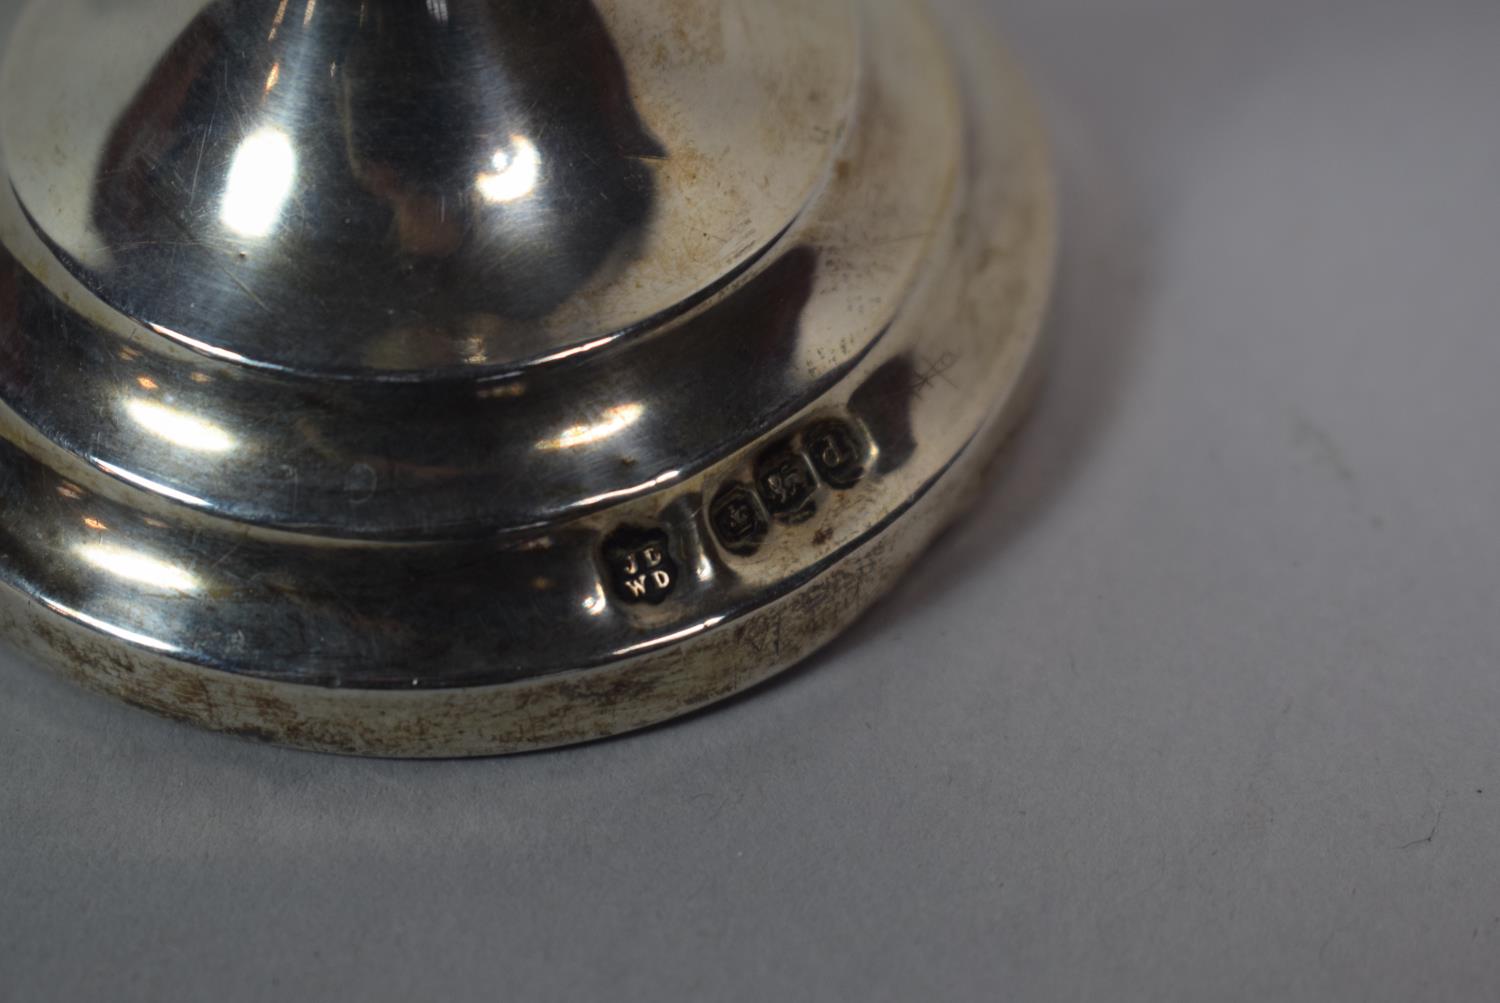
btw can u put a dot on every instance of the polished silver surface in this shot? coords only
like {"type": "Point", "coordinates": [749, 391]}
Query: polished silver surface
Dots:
{"type": "Point", "coordinates": [393, 187]}
{"type": "Point", "coordinates": [463, 376]}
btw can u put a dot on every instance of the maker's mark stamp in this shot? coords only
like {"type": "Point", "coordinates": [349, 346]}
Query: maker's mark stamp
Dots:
{"type": "Point", "coordinates": [640, 564]}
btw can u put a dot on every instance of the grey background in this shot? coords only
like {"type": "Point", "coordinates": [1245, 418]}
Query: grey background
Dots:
{"type": "Point", "coordinates": [1201, 704]}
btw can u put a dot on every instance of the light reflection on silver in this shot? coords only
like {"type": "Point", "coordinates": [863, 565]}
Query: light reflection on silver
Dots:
{"type": "Point", "coordinates": [194, 344]}
{"type": "Point", "coordinates": [259, 183]}
{"type": "Point", "coordinates": [515, 173]}
{"type": "Point", "coordinates": [655, 482]}
{"type": "Point", "coordinates": [179, 427]}
{"type": "Point", "coordinates": [614, 421]}
{"type": "Point", "coordinates": [128, 636]}
{"type": "Point", "coordinates": [596, 603]}
{"type": "Point", "coordinates": [439, 10]}
{"type": "Point", "coordinates": [145, 482]}
{"type": "Point", "coordinates": [583, 349]}
{"type": "Point", "coordinates": [276, 21]}
{"type": "Point", "coordinates": [133, 566]}
{"type": "Point", "coordinates": [680, 635]}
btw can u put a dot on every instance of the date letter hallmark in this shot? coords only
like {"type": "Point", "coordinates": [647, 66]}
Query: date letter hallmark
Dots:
{"type": "Point", "coordinates": [836, 453]}
{"type": "Point", "coordinates": [640, 565]}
